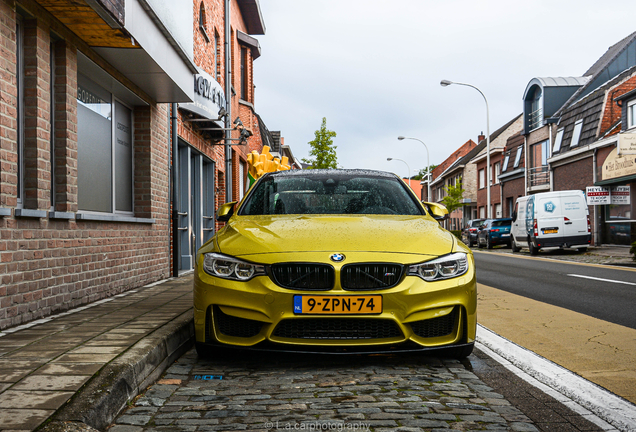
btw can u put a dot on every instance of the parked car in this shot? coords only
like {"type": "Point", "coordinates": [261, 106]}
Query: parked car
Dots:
{"type": "Point", "coordinates": [334, 260]}
{"type": "Point", "coordinates": [551, 220]}
{"type": "Point", "coordinates": [494, 232]}
{"type": "Point", "coordinates": [469, 233]}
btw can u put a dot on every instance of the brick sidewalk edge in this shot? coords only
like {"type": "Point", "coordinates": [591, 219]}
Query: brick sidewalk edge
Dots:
{"type": "Point", "coordinates": [98, 402]}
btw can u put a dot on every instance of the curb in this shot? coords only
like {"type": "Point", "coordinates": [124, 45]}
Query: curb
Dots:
{"type": "Point", "coordinates": [104, 396]}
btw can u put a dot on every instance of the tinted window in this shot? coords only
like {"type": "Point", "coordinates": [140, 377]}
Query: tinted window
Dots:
{"type": "Point", "coordinates": [334, 193]}
{"type": "Point", "coordinates": [501, 223]}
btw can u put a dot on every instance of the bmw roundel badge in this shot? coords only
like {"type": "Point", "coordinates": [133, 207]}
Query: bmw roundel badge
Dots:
{"type": "Point", "coordinates": [337, 257]}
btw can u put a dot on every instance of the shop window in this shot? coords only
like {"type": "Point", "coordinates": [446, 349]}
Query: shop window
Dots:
{"type": "Point", "coordinates": [104, 150]}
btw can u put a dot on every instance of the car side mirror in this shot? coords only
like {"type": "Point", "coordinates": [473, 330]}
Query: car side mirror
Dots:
{"type": "Point", "coordinates": [514, 216]}
{"type": "Point", "coordinates": [438, 211]}
{"type": "Point", "coordinates": [225, 212]}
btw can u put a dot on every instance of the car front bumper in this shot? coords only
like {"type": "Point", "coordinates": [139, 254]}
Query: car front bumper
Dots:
{"type": "Point", "coordinates": [415, 315]}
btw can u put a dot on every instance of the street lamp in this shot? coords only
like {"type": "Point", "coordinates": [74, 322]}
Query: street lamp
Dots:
{"type": "Point", "coordinates": [428, 166]}
{"type": "Point", "coordinates": [407, 166]}
{"type": "Point", "coordinates": [446, 83]}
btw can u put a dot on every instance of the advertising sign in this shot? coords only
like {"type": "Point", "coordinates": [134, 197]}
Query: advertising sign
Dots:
{"type": "Point", "coordinates": [620, 195]}
{"type": "Point", "coordinates": [616, 165]}
{"type": "Point", "coordinates": [597, 195]}
{"type": "Point", "coordinates": [626, 144]}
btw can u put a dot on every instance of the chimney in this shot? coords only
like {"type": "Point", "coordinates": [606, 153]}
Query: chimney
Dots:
{"type": "Point", "coordinates": [481, 137]}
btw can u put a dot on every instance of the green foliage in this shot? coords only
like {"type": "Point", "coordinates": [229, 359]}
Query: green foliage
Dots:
{"type": "Point", "coordinates": [632, 251]}
{"type": "Point", "coordinates": [453, 198]}
{"type": "Point", "coordinates": [422, 173]}
{"type": "Point", "coordinates": [323, 152]}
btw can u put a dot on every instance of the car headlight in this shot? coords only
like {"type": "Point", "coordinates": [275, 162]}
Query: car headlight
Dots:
{"type": "Point", "coordinates": [227, 267]}
{"type": "Point", "coordinates": [445, 267]}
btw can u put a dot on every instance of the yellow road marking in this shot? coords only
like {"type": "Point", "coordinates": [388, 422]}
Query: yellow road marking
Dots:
{"type": "Point", "coordinates": [597, 350]}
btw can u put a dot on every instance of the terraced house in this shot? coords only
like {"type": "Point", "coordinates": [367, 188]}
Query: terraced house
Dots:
{"type": "Point", "coordinates": [123, 124]}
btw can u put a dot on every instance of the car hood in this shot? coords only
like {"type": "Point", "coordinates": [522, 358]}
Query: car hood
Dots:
{"type": "Point", "coordinates": [255, 235]}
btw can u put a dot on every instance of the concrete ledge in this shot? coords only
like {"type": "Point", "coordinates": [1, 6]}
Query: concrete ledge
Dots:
{"type": "Point", "coordinates": [107, 392]}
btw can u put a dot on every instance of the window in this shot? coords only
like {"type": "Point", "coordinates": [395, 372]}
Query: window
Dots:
{"type": "Point", "coordinates": [104, 150]}
{"type": "Point", "coordinates": [576, 135]}
{"type": "Point", "coordinates": [244, 74]}
{"type": "Point", "coordinates": [20, 108]}
{"type": "Point", "coordinates": [505, 162]}
{"type": "Point", "coordinates": [631, 114]}
{"type": "Point", "coordinates": [497, 211]}
{"type": "Point", "coordinates": [482, 179]}
{"type": "Point", "coordinates": [518, 156]}
{"type": "Point", "coordinates": [557, 141]}
{"type": "Point", "coordinates": [497, 171]}
{"type": "Point", "coordinates": [203, 22]}
{"type": "Point", "coordinates": [535, 116]}
{"type": "Point", "coordinates": [215, 53]}
{"type": "Point", "coordinates": [482, 212]}
{"type": "Point", "coordinates": [539, 154]}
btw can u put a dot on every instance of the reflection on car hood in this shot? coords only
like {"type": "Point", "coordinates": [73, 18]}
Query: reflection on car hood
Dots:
{"type": "Point", "coordinates": [270, 234]}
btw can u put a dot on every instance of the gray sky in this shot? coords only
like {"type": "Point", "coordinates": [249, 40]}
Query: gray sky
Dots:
{"type": "Point", "coordinates": [373, 68]}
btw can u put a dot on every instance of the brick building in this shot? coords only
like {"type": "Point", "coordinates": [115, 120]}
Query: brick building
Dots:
{"type": "Point", "coordinates": [87, 128]}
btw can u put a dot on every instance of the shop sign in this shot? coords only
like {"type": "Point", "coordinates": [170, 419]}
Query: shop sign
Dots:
{"type": "Point", "coordinates": [209, 97]}
{"type": "Point", "coordinates": [620, 195]}
{"type": "Point", "coordinates": [627, 144]}
{"type": "Point", "coordinates": [616, 165]}
{"type": "Point", "coordinates": [597, 195]}
{"type": "Point", "coordinates": [602, 195]}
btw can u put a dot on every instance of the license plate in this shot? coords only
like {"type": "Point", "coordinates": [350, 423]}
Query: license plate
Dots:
{"type": "Point", "coordinates": [337, 305]}
{"type": "Point", "coordinates": [505, 235]}
{"type": "Point", "coordinates": [550, 231]}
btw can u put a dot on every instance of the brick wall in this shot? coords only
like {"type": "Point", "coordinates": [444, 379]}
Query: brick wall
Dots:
{"type": "Point", "coordinates": [49, 265]}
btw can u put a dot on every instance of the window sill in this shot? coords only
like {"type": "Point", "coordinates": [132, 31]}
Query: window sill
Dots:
{"type": "Point", "coordinates": [5, 211]}
{"type": "Point", "coordinates": [30, 213]}
{"type": "Point", "coordinates": [113, 218]}
{"type": "Point", "coordinates": [61, 215]}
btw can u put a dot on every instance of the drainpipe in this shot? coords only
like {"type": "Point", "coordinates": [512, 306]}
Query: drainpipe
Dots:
{"type": "Point", "coordinates": [525, 162]}
{"type": "Point", "coordinates": [551, 177]}
{"type": "Point", "coordinates": [228, 103]}
{"type": "Point", "coordinates": [175, 191]}
{"type": "Point", "coordinates": [597, 223]}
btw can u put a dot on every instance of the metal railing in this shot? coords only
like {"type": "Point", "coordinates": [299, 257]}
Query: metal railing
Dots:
{"type": "Point", "coordinates": [539, 176]}
{"type": "Point", "coordinates": [535, 119]}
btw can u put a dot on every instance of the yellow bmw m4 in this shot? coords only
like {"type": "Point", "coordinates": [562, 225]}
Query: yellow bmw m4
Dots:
{"type": "Point", "coordinates": [346, 261]}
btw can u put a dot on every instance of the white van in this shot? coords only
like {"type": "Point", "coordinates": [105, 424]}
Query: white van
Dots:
{"type": "Point", "coordinates": [551, 220]}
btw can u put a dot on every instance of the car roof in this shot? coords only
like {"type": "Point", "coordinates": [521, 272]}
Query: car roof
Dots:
{"type": "Point", "coordinates": [325, 172]}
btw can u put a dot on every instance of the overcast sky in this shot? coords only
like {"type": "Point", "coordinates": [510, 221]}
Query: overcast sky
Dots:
{"type": "Point", "coordinates": [373, 68]}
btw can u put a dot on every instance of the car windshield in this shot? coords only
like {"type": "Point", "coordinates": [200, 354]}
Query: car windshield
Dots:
{"type": "Point", "coordinates": [331, 193]}
{"type": "Point", "coordinates": [501, 223]}
{"type": "Point", "coordinates": [477, 223]}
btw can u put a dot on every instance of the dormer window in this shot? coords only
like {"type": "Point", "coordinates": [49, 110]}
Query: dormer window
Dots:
{"type": "Point", "coordinates": [631, 114]}
{"type": "Point", "coordinates": [576, 135]}
{"type": "Point", "coordinates": [535, 116]}
{"type": "Point", "coordinates": [557, 141]}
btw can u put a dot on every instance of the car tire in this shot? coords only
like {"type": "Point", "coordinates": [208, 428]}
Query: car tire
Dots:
{"type": "Point", "coordinates": [470, 242]}
{"type": "Point", "coordinates": [488, 243]}
{"type": "Point", "coordinates": [459, 353]}
{"type": "Point", "coordinates": [533, 249]}
{"type": "Point", "coordinates": [205, 351]}
{"type": "Point", "coordinates": [479, 245]}
{"type": "Point", "coordinates": [514, 246]}
{"type": "Point", "coordinates": [581, 250]}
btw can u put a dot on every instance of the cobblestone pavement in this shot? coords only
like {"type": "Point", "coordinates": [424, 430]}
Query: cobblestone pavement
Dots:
{"type": "Point", "coordinates": [270, 392]}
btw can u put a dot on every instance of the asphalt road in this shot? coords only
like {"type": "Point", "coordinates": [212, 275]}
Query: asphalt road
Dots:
{"type": "Point", "coordinates": [601, 292]}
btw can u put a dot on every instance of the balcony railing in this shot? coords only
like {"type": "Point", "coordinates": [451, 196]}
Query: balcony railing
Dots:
{"type": "Point", "coordinates": [535, 119]}
{"type": "Point", "coordinates": [539, 176]}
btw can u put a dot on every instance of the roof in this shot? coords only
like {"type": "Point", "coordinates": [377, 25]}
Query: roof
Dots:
{"type": "Point", "coordinates": [611, 53]}
{"type": "Point", "coordinates": [251, 11]}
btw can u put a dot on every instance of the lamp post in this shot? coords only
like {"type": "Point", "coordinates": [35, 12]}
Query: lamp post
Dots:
{"type": "Point", "coordinates": [407, 166]}
{"type": "Point", "coordinates": [446, 83]}
{"type": "Point", "coordinates": [428, 166]}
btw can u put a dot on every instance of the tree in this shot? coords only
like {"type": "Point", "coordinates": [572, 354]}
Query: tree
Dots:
{"type": "Point", "coordinates": [422, 173]}
{"type": "Point", "coordinates": [323, 152]}
{"type": "Point", "coordinates": [453, 198]}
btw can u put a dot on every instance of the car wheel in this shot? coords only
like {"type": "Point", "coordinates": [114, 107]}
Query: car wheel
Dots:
{"type": "Point", "coordinates": [205, 351]}
{"type": "Point", "coordinates": [488, 243]}
{"type": "Point", "coordinates": [533, 249]}
{"type": "Point", "coordinates": [471, 243]}
{"type": "Point", "coordinates": [514, 246]}
{"type": "Point", "coordinates": [459, 353]}
{"type": "Point", "coordinates": [582, 250]}
{"type": "Point", "coordinates": [479, 245]}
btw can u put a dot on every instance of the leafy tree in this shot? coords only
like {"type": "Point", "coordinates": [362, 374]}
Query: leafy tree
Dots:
{"type": "Point", "coordinates": [453, 198]}
{"type": "Point", "coordinates": [422, 173]}
{"type": "Point", "coordinates": [323, 152]}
